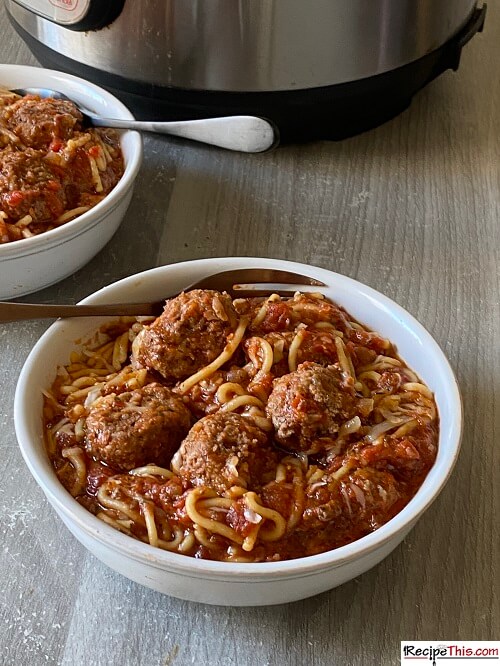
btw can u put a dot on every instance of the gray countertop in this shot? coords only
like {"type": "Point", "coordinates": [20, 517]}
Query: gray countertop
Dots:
{"type": "Point", "coordinates": [413, 210]}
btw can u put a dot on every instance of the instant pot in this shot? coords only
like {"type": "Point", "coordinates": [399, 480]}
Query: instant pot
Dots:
{"type": "Point", "coordinates": [318, 68]}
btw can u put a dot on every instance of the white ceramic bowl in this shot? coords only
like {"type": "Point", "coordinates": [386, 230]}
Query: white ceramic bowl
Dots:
{"type": "Point", "coordinates": [230, 583]}
{"type": "Point", "coordinates": [34, 263]}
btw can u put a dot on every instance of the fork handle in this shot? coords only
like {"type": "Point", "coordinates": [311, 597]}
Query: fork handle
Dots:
{"type": "Point", "coordinates": [24, 311]}
{"type": "Point", "coordinates": [247, 134]}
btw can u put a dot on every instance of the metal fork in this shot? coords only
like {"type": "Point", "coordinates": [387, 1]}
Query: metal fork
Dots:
{"type": "Point", "coordinates": [238, 283]}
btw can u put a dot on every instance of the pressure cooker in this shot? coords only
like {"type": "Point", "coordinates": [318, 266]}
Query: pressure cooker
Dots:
{"type": "Point", "coordinates": [318, 68]}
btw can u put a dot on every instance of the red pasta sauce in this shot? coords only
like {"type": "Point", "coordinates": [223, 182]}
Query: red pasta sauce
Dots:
{"type": "Point", "coordinates": [52, 169]}
{"type": "Point", "coordinates": [249, 431]}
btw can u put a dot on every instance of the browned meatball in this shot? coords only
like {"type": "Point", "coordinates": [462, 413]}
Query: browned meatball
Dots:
{"type": "Point", "coordinates": [136, 428]}
{"type": "Point", "coordinates": [308, 406]}
{"type": "Point", "coordinates": [38, 122]}
{"type": "Point", "coordinates": [361, 501]}
{"type": "Point", "coordinates": [284, 315]}
{"type": "Point", "coordinates": [223, 450]}
{"type": "Point", "coordinates": [202, 397]}
{"type": "Point", "coordinates": [30, 185]}
{"type": "Point", "coordinates": [190, 333]}
{"type": "Point", "coordinates": [317, 345]}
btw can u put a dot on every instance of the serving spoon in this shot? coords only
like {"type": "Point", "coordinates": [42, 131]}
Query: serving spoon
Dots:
{"type": "Point", "coordinates": [247, 134]}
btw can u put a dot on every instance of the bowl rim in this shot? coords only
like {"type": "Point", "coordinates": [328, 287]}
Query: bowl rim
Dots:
{"type": "Point", "coordinates": [86, 221]}
{"type": "Point", "coordinates": [286, 569]}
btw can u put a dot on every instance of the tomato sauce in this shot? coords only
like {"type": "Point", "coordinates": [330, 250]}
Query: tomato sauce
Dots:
{"type": "Point", "coordinates": [336, 460]}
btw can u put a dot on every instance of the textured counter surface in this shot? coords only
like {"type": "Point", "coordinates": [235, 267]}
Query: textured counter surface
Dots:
{"type": "Point", "coordinates": [412, 209]}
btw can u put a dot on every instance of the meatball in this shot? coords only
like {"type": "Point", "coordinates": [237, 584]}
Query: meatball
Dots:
{"type": "Point", "coordinates": [190, 333]}
{"type": "Point", "coordinates": [284, 315]}
{"type": "Point", "coordinates": [30, 185]}
{"type": "Point", "coordinates": [409, 459]}
{"type": "Point", "coordinates": [136, 428]}
{"type": "Point", "coordinates": [362, 500]}
{"type": "Point", "coordinates": [223, 450]}
{"type": "Point", "coordinates": [308, 406]}
{"type": "Point", "coordinates": [202, 397]}
{"type": "Point", "coordinates": [317, 345]}
{"type": "Point", "coordinates": [38, 122]}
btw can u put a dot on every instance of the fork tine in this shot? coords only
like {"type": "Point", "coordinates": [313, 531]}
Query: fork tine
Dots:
{"type": "Point", "coordinates": [225, 280]}
{"type": "Point", "coordinates": [255, 293]}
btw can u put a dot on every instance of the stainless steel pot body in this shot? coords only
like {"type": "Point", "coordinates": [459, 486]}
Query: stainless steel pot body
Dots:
{"type": "Point", "coordinates": [251, 45]}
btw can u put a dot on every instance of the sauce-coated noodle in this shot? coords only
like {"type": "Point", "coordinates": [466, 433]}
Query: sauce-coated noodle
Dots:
{"type": "Point", "coordinates": [329, 477]}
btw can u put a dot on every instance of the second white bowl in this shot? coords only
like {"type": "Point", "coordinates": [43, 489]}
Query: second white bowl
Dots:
{"type": "Point", "coordinates": [34, 263]}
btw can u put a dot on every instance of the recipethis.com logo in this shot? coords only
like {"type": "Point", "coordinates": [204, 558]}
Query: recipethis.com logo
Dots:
{"type": "Point", "coordinates": [450, 653]}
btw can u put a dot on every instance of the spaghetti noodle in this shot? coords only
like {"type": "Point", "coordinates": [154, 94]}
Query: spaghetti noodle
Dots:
{"type": "Point", "coordinates": [309, 431]}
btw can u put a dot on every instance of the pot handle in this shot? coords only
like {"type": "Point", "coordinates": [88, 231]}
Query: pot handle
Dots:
{"type": "Point", "coordinates": [475, 25]}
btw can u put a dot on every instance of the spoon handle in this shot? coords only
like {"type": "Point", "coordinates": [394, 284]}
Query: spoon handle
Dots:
{"type": "Point", "coordinates": [24, 311]}
{"type": "Point", "coordinates": [247, 134]}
